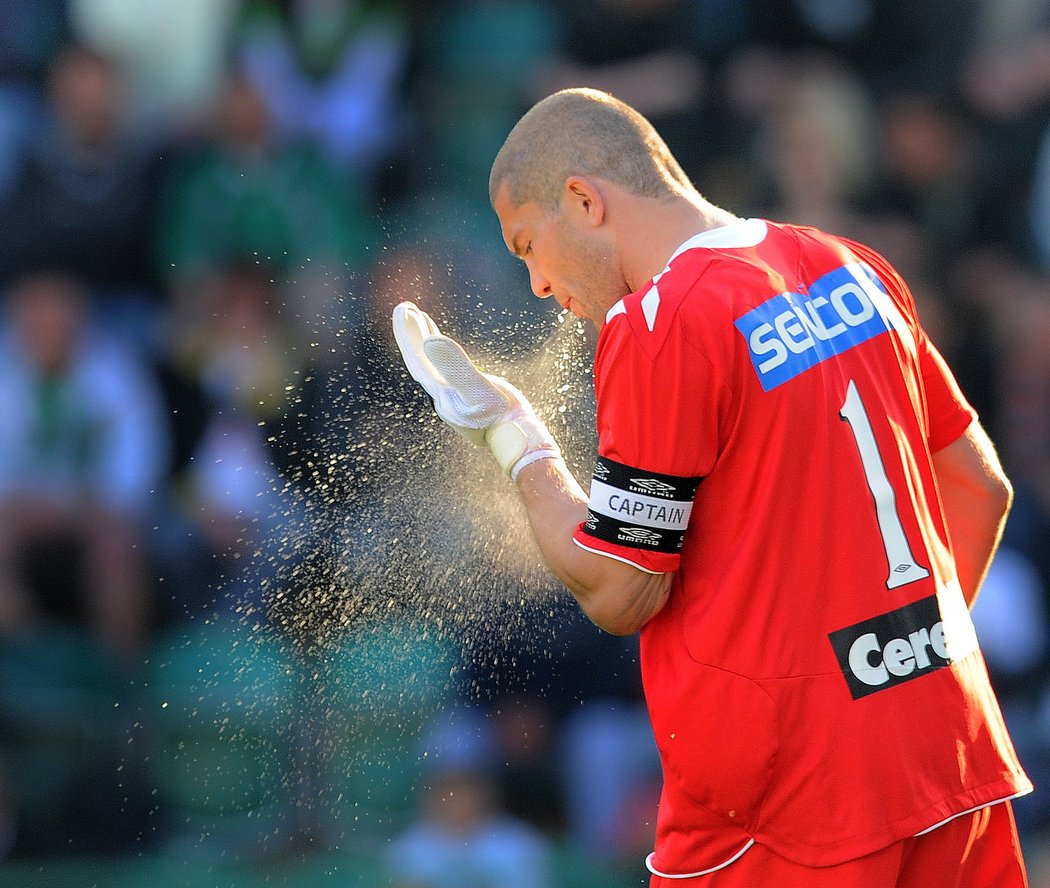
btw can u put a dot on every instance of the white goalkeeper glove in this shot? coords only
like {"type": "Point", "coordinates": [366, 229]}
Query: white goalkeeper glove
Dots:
{"type": "Point", "coordinates": [486, 410]}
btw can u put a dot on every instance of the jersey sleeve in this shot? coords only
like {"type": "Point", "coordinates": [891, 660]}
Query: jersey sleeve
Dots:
{"type": "Point", "coordinates": [950, 414]}
{"type": "Point", "coordinates": [948, 411]}
{"type": "Point", "coordinates": [658, 401]}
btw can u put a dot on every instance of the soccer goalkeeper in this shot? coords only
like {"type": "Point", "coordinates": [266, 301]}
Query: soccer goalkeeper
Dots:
{"type": "Point", "coordinates": [792, 501]}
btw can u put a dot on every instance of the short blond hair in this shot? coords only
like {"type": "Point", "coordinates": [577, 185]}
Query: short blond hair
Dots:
{"type": "Point", "coordinates": [583, 132]}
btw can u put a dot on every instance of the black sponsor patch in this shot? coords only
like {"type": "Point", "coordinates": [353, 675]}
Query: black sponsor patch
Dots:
{"type": "Point", "coordinates": [892, 648]}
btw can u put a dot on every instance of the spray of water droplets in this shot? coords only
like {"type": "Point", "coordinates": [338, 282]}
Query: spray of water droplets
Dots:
{"type": "Point", "coordinates": [428, 527]}
{"type": "Point", "coordinates": [394, 553]}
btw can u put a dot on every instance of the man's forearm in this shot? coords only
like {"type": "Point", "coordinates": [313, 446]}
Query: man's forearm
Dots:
{"type": "Point", "coordinates": [976, 497]}
{"type": "Point", "coordinates": [616, 596]}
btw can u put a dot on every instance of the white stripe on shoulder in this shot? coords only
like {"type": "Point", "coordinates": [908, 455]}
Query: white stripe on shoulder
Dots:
{"type": "Point", "coordinates": [650, 305]}
{"type": "Point", "coordinates": [618, 309]}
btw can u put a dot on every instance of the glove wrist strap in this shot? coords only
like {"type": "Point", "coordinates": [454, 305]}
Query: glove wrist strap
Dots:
{"type": "Point", "coordinates": [533, 456]}
{"type": "Point", "coordinates": [519, 441]}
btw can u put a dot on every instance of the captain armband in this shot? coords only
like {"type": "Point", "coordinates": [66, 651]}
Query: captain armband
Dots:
{"type": "Point", "coordinates": [638, 508]}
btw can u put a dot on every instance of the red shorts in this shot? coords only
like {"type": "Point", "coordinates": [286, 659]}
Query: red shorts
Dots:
{"type": "Point", "coordinates": [975, 850]}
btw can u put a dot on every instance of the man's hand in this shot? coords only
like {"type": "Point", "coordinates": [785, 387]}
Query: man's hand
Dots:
{"type": "Point", "coordinates": [486, 410]}
{"type": "Point", "coordinates": [491, 412]}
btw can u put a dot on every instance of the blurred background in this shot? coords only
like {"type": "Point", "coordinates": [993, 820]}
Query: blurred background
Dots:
{"type": "Point", "coordinates": [261, 621]}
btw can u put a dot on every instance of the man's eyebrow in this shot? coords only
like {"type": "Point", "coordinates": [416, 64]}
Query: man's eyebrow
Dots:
{"type": "Point", "coordinates": [515, 247]}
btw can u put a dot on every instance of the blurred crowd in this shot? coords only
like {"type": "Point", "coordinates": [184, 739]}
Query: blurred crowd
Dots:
{"type": "Point", "coordinates": [207, 211]}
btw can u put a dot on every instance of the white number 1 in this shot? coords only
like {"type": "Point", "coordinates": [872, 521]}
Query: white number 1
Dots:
{"type": "Point", "coordinates": [903, 568]}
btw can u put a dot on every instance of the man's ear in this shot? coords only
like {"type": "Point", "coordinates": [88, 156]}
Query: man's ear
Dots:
{"type": "Point", "coordinates": [584, 200]}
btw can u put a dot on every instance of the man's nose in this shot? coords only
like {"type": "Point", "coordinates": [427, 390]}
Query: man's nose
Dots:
{"type": "Point", "coordinates": [540, 285]}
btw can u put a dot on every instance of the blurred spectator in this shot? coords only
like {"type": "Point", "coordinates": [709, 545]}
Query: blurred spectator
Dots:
{"type": "Point", "coordinates": [890, 44]}
{"type": "Point", "coordinates": [238, 355]}
{"type": "Point", "coordinates": [1005, 84]}
{"type": "Point", "coordinates": [928, 169]}
{"type": "Point", "coordinates": [1011, 616]}
{"type": "Point", "coordinates": [1022, 312]}
{"type": "Point", "coordinates": [236, 341]}
{"type": "Point", "coordinates": [963, 328]}
{"type": "Point", "coordinates": [567, 732]}
{"type": "Point", "coordinates": [1000, 300]}
{"type": "Point", "coordinates": [173, 52]}
{"type": "Point", "coordinates": [471, 83]}
{"type": "Point", "coordinates": [646, 52]}
{"type": "Point", "coordinates": [462, 837]}
{"type": "Point", "coordinates": [82, 201]}
{"type": "Point", "coordinates": [1007, 78]}
{"type": "Point", "coordinates": [83, 449]}
{"type": "Point", "coordinates": [524, 731]}
{"type": "Point", "coordinates": [611, 775]}
{"type": "Point", "coordinates": [246, 195]}
{"type": "Point", "coordinates": [331, 72]}
{"type": "Point", "coordinates": [815, 144]}
{"type": "Point", "coordinates": [607, 763]}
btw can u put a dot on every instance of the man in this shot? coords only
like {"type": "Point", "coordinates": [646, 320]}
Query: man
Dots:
{"type": "Point", "coordinates": [84, 447]}
{"type": "Point", "coordinates": [792, 501]}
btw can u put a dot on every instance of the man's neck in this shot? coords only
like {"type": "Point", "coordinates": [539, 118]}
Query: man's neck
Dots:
{"type": "Point", "coordinates": [656, 228]}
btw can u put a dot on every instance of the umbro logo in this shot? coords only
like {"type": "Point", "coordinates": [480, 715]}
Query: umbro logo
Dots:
{"type": "Point", "coordinates": [640, 535]}
{"type": "Point", "coordinates": [652, 486]}
{"type": "Point", "coordinates": [601, 471]}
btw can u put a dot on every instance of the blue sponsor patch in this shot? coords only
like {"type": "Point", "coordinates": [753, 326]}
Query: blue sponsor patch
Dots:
{"type": "Point", "coordinates": [792, 332]}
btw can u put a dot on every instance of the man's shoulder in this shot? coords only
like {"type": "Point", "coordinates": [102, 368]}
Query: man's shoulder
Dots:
{"type": "Point", "coordinates": [706, 283]}
{"type": "Point", "coordinates": [648, 321]}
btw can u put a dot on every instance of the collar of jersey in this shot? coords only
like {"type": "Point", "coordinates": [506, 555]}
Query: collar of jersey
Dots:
{"type": "Point", "coordinates": [742, 233]}
{"type": "Point", "coordinates": [739, 234]}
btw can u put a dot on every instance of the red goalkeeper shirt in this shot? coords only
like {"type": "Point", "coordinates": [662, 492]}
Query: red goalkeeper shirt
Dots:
{"type": "Point", "coordinates": [767, 407]}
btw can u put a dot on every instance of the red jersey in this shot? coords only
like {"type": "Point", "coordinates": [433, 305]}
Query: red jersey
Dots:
{"type": "Point", "coordinates": [767, 408]}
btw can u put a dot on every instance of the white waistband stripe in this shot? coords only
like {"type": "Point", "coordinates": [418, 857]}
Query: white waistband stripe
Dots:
{"type": "Point", "coordinates": [649, 865]}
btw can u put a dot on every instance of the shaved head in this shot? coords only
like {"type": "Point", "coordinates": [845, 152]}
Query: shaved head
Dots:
{"type": "Point", "coordinates": [583, 132]}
